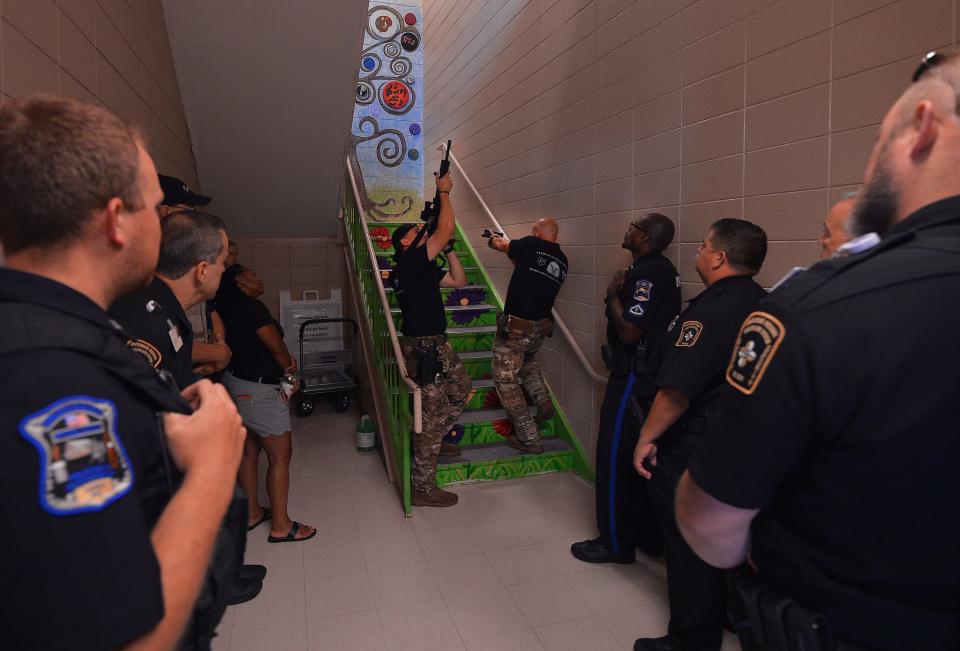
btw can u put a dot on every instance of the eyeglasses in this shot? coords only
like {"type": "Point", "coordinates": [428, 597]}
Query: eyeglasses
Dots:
{"type": "Point", "coordinates": [929, 61]}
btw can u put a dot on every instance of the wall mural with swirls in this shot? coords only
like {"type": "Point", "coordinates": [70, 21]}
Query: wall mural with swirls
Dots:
{"type": "Point", "coordinates": [387, 117]}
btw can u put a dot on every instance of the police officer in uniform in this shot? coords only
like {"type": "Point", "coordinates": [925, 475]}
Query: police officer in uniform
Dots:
{"type": "Point", "coordinates": [428, 356]}
{"type": "Point", "coordinates": [641, 302]}
{"type": "Point", "coordinates": [102, 550]}
{"type": "Point", "coordinates": [689, 384]}
{"type": "Point", "coordinates": [540, 269]}
{"type": "Point", "coordinates": [833, 457]}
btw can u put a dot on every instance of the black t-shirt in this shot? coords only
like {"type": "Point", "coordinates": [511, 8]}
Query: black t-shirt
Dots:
{"type": "Point", "coordinates": [541, 268]}
{"type": "Point", "coordinates": [840, 423]}
{"type": "Point", "coordinates": [83, 485]}
{"type": "Point", "coordinates": [242, 316]}
{"type": "Point", "coordinates": [416, 281]}
{"type": "Point", "coordinates": [161, 328]}
{"type": "Point", "coordinates": [699, 344]}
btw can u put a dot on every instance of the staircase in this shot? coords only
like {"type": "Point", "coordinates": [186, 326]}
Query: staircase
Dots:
{"type": "Point", "coordinates": [483, 427]}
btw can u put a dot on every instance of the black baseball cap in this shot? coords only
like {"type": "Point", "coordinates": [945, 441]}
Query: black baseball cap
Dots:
{"type": "Point", "coordinates": [398, 234]}
{"type": "Point", "coordinates": [177, 192]}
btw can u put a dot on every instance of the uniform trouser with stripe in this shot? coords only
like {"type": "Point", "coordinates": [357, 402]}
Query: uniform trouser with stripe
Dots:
{"type": "Point", "coordinates": [697, 591]}
{"type": "Point", "coordinates": [624, 513]}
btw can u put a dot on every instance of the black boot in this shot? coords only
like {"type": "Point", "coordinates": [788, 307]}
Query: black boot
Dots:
{"type": "Point", "coordinates": [599, 551]}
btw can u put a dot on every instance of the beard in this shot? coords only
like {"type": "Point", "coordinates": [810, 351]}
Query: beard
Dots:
{"type": "Point", "coordinates": [876, 209]}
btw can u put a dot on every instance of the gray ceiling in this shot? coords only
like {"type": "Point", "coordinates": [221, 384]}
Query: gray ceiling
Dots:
{"type": "Point", "coordinates": [268, 90]}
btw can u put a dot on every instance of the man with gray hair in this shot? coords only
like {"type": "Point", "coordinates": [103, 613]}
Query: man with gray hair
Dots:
{"type": "Point", "coordinates": [832, 457]}
{"type": "Point", "coordinates": [836, 227]}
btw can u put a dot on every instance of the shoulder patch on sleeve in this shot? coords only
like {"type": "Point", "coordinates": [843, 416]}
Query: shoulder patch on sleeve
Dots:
{"type": "Point", "coordinates": [148, 350]}
{"type": "Point", "coordinates": [83, 466]}
{"type": "Point", "coordinates": [689, 334]}
{"type": "Point", "coordinates": [760, 337]}
{"type": "Point", "coordinates": [642, 291]}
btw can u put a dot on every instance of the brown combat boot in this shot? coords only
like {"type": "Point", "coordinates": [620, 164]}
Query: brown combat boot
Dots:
{"type": "Point", "coordinates": [545, 412]}
{"type": "Point", "coordinates": [526, 448]}
{"type": "Point", "coordinates": [436, 497]}
{"type": "Point", "coordinates": [449, 450]}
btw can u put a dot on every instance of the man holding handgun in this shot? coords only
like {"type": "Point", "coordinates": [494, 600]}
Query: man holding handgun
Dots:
{"type": "Point", "coordinates": [540, 269]}
{"type": "Point", "coordinates": [428, 356]}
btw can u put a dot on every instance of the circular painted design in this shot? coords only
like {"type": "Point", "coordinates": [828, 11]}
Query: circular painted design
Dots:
{"type": "Point", "coordinates": [413, 154]}
{"type": "Point", "coordinates": [410, 19]}
{"type": "Point", "coordinates": [391, 49]}
{"type": "Point", "coordinates": [383, 23]}
{"type": "Point", "coordinates": [365, 93]}
{"type": "Point", "coordinates": [411, 80]}
{"type": "Point", "coordinates": [396, 95]}
{"type": "Point", "coordinates": [401, 66]}
{"type": "Point", "coordinates": [369, 63]}
{"type": "Point", "coordinates": [414, 129]}
{"type": "Point", "coordinates": [409, 41]}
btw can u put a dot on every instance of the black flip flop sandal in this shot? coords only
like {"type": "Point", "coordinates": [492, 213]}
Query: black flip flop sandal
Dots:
{"type": "Point", "coordinates": [267, 514]}
{"type": "Point", "coordinates": [292, 536]}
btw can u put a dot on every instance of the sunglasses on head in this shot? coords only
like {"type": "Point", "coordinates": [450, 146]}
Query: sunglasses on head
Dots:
{"type": "Point", "coordinates": [929, 61]}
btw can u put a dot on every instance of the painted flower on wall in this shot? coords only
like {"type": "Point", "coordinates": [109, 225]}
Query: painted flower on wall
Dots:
{"type": "Point", "coordinates": [502, 426]}
{"type": "Point", "coordinates": [463, 298]}
{"type": "Point", "coordinates": [381, 238]}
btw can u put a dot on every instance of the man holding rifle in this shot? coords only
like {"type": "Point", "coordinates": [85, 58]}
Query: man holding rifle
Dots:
{"type": "Point", "coordinates": [428, 356]}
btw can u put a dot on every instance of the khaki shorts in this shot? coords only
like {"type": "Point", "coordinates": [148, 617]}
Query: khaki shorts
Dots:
{"type": "Point", "coordinates": [260, 405]}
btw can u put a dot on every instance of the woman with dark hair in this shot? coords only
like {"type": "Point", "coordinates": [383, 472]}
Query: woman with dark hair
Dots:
{"type": "Point", "coordinates": [253, 379]}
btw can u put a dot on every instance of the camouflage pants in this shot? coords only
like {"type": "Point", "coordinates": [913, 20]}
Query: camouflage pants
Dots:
{"type": "Point", "coordinates": [515, 369]}
{"type": "Point", "coordinates": [442, 403]}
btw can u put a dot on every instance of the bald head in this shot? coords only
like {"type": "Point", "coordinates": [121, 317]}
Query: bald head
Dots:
{"type": "Point", "coordinates": [916, 158]}
{"type": "Point", "coordinates": [836, 227]}
{"type": "Point", "coordinates": [546, 229]}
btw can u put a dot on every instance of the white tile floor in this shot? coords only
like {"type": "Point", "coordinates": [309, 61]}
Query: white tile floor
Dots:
{"type": "Point", "coordinates": [493, 572]}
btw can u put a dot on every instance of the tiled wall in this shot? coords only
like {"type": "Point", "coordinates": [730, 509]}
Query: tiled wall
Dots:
{"type": "Point", "coordinates": [296, 265]}
{"type": "Point", "coordinates": [115, 52]}
{"type": "Point", "coordinates": [596, 111]}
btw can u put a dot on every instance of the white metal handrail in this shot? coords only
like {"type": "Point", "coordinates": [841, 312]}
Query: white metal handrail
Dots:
{"type": "Point", "coordinates": [392, 329]}
{"type": "Point", "coordinates": [587, 366]}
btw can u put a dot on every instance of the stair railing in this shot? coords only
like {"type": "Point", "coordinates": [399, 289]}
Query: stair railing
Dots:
{"type": "Point", "coordinates": [558, 321]}
{"type": "Point", "coordinates": [387, 351]}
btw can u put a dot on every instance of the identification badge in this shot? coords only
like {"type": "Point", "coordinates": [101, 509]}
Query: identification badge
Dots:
{"type": "Point", "coordinates": [83, 466]}
{"type": "Point", "coordinates": [175, 337]}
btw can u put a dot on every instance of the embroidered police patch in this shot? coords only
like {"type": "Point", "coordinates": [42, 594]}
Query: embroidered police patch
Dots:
{"type": "Point", "coordinates": [689, 333]}
{"type": "Point", "coordinates": [83, 466]}
{"type": "Point", "coordinates": [148, 350]}
{"type": "Point", "coordinates": [637, 310]}
{"type": "Point", "coordinates": [760, 337]}
{"type": "Point", "coordinates": [642, 291]}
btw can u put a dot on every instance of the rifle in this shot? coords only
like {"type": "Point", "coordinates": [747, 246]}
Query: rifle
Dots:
{"type": "Point", "coordinates": [431, 209]}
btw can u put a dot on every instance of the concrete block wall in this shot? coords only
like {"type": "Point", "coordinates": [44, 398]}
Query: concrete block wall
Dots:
{"type": "Point", "coordinates": [595, 111]}
{"type": "Point", "coordinates": [115, 52]}
{"type": "Point", "coordinates": [295, 264]}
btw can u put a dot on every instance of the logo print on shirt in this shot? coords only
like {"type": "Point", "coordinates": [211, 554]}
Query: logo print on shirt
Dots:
{"type": "Point", "coordinates": [554, 270]}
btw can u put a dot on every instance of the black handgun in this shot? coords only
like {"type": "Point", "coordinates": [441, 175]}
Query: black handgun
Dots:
{"type": "Point", "coordinates": [487, 233]}
{"type": "Point", "coordinates": [431, 209]}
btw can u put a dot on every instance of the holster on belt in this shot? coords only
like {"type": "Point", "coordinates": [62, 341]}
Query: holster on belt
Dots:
{"type": "Point", "coordinates": [779, 622]}
{"type": "Point", "coordinates": [623, 359]}
{"type": "Point", "coordinates": [428, 365]}
{"type": "Point", "coordinates": [514, 325]}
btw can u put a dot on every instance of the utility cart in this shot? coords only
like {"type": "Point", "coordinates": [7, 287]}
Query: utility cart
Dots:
{"type": "Point", "coordinates": [324, 370]}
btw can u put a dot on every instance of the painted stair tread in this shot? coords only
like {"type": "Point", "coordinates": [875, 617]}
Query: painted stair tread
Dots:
{"type": "Point", "coordinates": [494, 451]}
{"type": "Point", "coordinates": [389, 289]}
{"type": "Point", "coordinates": [458, 308]}
{"type": "Point", "coordinates": [467, 330]}
{"type": "Point", "coordinates": [475, 354]}
{"type": "Point", "coordinates": [484, 415]}
{"type": "Point", "coordinates": [484, 383]}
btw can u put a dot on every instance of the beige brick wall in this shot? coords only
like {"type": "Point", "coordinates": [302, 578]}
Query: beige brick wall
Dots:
{"type": "Point", "coordinates": [596, 111]}
{"type": "Point", "coordinates": [115, 52]}
{"type": "Point", "coordinates": [294, 264]}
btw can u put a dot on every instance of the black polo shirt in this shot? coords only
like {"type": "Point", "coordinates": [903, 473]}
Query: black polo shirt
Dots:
{"type": "Point", "coordinates": [242, 316]}
{"type": "Point", "coordinates": [416, 281]}
{"type": "Point", "coordinates": [839, 421]}
{"type": "Point", "coordinates": [650, 296]}
{"type": "Point", "coordinates": [82, 476]}
{"type": "Point", "coordinates": [541, 268]}
{"type": "Point", "coordinates": [699, 344]}
{"type": "Point", "coordinates": [161, 329]}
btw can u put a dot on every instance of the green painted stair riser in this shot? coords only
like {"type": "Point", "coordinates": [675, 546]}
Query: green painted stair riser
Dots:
{"type": "Point", "coordinates": [512, 468]}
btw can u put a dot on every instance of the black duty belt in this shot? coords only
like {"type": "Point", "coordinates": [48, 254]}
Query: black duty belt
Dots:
{"type": "Point", "coordinates": [258, 380]}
